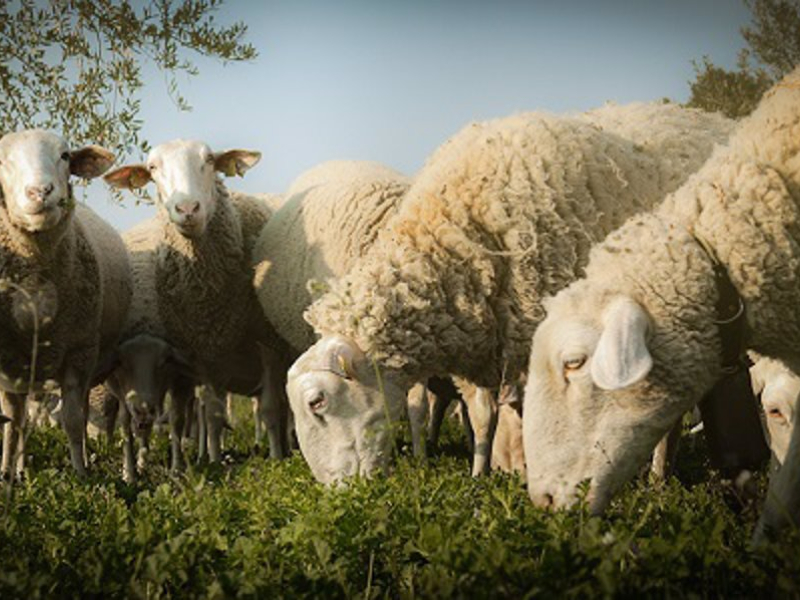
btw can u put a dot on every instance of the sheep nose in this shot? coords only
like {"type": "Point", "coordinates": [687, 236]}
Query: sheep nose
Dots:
{"type": "Point", "coordinates": [544, 500]}
{"type": "Point", "coordinates": [38, 193]}
{"type": "Point", "coordinates": [188, 208]}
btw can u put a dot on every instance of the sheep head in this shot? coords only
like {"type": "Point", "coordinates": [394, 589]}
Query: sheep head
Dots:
{"type": "Point", "coordinates": [779, 388]}
{"type": "Point", "coordinates": [342, 410]}
{"type": "Point", "coordinates": [147, 367]}
{"type": "Point", "coordinates": [35, 167]}
{"type": "Point", "coordinates": [185, 175]}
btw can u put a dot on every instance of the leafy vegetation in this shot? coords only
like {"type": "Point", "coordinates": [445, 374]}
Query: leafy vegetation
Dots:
{"type": "Point", "coordinates": [259, 528]}
{"type": "Point", "coordinates": [75, 65]}
{"type": "Point", "coordinates": [773, 49]}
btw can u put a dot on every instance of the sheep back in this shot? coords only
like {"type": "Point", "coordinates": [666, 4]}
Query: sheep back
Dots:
{"type": "Point", "coordinates": [331, 216]}
{"type": "Point", "coordinates": [503, 214]}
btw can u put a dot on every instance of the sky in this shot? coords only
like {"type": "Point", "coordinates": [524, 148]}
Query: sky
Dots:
{"type": "Point", "coordinates": [391, 81]}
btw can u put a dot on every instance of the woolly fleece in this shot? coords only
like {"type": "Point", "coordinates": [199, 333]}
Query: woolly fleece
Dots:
{"type": "Point", "coordinates": [503, 214]}
{"type": "Point", "coordinates": [330, 219]}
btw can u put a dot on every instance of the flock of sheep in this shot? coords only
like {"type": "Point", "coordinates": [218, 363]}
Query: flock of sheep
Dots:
{"type": "Point", "coordinates": [533, 251]}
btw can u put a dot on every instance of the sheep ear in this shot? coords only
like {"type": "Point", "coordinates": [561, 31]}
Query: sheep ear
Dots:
{"type": "Point", "coordinates": [235, 162]}
{"type": "Point", "coordinates": [90, 162]}
{"type": "Point", "coordinates": [4, 419]}
{"type": "Point", "coordinates": [130, 177]}
{"type": "Point", "coordinates": [621, 357]}
{"type": "Point", "coordinates": [757, 379]}
{"type": "Point", "coordinates": [339, 356]}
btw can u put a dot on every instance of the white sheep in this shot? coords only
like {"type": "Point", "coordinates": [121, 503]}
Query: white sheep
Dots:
{"type": "Point", "coordinates": [627, 350]}
{"type": "Point", "coordinates": [203, 276]}
{"type": "Point", "coordinates": [330, 217]}
{"type": "Point", "coordinates": [502, 214]}
{"type": "Point", "coordinates": [779, 388]}
{"type": "Point", "coordinates": [66, 284]}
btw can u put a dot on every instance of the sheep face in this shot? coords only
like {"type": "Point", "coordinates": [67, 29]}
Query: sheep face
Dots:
{"type": "Point", "coordinates": [147, 366]}
{"type": "Point", "coordinates": [185, 175]}
{"type": "Point", "coordinates": [779, 389]}
{"type": "Point", "coordinates": [595, 404]}
{"type": "Point", "coordinates": [35, 166]}
{"type": "Point", "coordinates": [341, 416]}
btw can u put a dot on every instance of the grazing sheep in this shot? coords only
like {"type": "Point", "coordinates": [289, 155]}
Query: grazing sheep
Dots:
{"type": "Point", "coordinates": [502, 214]}
{"type": "Point", "coordinates": [66, 284]}
{"type": "Point", "coordinates": [331, 216]}
{"type": "Point", "coordinates": [203, 276]}
{"type": "Point", "coordinates": [627, 350]}
{"type": "Point", "coordinates": [779, 388]}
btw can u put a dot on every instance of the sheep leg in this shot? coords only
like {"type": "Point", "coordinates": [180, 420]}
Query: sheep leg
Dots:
{"type": "Point", "coordinates": [271, 401]}
{"type": "Point", "coordinates": [259, 425]}
{"type": "Point", "coordinates": [128, 466]}
{"type": "Point", "coordinates": [664, 454]}
{"type": "Point", "coordinates": [13, 407]}
{"type": "Point", "coordinates": [230, 420]}
{"type": "Point", "coordinates": [466, 425]}
{"type": "Point", "coordinates": [482, 410]}
{"type": "Point", "coordinates": [75, 412]}
{"type": "Point", "coordinates": [202, 433]}
{"type": "Point", "coordinates": [417, 411]}
{"type": "Point", "coordinates": [438, 406]}
{"type": "Point", "coordinates": [144, 449]}
{"type": "Point", "coordinates": [215, 422]}
{"type": "Point", "coordinates": [182, 395]}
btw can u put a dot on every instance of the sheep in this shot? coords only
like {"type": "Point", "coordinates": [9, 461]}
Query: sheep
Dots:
{"type": "Point", "coordinates": [501, 214]}
{"type": "Point", "coordinates": [330, 217]}
{"type": "Point", "coordinates": [66, 284]}
{"type": "Point", "coordinates": [636, 343]}
{"type": "Point", "coordinates": [779, 388]}
{"type": "Point", "coordinates": [204, 276]}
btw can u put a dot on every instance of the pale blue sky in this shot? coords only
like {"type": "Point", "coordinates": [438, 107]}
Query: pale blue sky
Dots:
{"type": "Point", "coordinates": [390, 81]}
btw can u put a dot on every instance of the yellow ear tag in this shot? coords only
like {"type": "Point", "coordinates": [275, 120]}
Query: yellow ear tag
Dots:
{"type": "Point", "coordinates": [343, 366]}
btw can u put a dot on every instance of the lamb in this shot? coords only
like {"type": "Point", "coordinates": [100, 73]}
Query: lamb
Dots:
{"type": "Point", "coordinates": [779, 388]}
{"type": "Point", "coordinates": [502, 214]}
{"type": "Point", "coordinates": [203, 276]}
{"type": "Point", "coordinates": [627, 350]}
{"type": "Point", "coordinates": [60, 265]}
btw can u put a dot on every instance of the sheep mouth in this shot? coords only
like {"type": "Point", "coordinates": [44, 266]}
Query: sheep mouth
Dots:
{"type": "Point", "coordinates": [41, 209]}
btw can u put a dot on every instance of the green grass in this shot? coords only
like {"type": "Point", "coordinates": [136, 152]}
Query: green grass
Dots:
{"type": "Point", "coordinates": [258, 528]}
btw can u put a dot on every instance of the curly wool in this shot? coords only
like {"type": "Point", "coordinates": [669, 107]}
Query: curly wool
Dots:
{"type": "Point", "coordinates": [331, 217]}
{"type": "Point", "coordinates": [503, 214]}
{"type": "Point", "coordinates": [205, 296]}
{"type": "Point", "coordinates": [744, 205]}
{"type": "Point", "coordinates": [79, 277]}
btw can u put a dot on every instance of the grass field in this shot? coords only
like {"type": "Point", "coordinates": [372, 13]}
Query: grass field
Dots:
{"type": "Point", "coordinates": [258, 528]}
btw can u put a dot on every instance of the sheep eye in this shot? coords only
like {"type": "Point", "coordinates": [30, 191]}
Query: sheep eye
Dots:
{"type": "Point", "coordinates": [65, 156]}
{"type": "Point", "coordinates": [318, 404]}
{"type": "Point", "coordinates": [151, 168]}
{"type": "Point", "coordinates": [573, 364]}
{"type": "Point", "coordinates": [210, 159]}
{"type": "Point", "coordinates": [775, 413]}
